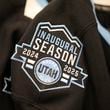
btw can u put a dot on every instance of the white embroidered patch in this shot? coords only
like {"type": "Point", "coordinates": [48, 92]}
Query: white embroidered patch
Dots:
{"type": "Point", "coordinates": [51, 59]}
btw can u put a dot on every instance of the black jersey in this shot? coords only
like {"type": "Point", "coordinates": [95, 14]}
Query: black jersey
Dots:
{"type": "Point", "coordinates": [9, 8]}
{"type": "Point", "coordinates": [12, 25]}
{"type": "Point", "coordinates": [60, 62]}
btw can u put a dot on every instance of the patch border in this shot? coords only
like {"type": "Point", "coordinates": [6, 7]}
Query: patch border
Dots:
{"type": "Point", "coordinates": [73, 39]}
{"type": "Point", "coordinates": [6, 85]}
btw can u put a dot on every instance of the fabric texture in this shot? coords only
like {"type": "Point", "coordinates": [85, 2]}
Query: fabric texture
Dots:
{"type": "Point", "coordinates": [12, 26]}
{"type": "Point", "coordinates": [78, 17]}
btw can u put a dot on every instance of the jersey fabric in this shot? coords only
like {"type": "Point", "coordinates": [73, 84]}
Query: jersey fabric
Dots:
{"type": "Point", "coordinates": [12, 25]}
{"type": "Point", "coordinates": [7, 9]}
{"type": "Point", "coordinates": [70, 71]}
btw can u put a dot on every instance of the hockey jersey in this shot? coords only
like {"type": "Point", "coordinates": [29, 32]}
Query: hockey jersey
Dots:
{"type": "Point", "coordinates": [59, 63]}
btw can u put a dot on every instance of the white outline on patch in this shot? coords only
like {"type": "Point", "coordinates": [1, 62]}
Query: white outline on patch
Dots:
{"type": "Point", "coordinates": [72, 39]}
{"type": "Point", "coordinates": [6, 85]}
